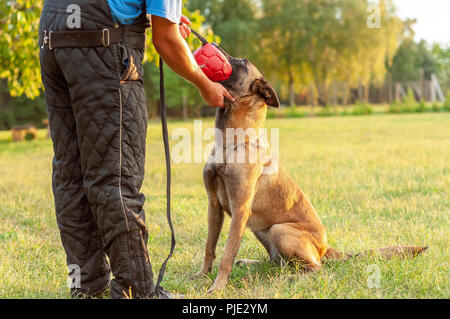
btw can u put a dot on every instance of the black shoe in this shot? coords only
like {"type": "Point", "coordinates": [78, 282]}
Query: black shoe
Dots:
{"type": "Point", "coordinates": [79, 294]}
{"type": "Point", "coordinates": [161, 293]}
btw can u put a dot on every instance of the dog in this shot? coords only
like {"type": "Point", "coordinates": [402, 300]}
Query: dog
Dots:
{"type": "Point", "coordinates": [272, 205]}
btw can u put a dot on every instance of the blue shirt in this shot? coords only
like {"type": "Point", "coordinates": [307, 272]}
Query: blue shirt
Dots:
{"type": "Point", "coordinates": [126, 11]}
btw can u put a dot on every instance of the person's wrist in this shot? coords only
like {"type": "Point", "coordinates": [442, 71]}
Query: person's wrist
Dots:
{"type": "Point", "coordinates": [201, 81]}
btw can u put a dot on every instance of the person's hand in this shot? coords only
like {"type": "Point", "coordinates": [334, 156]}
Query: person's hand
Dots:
{"type": "Point", "coordinates": [175, 52]}
{"type": "Point", "coordinates": [185, 31]}
{"type": "Point", "coordinates": [214, 94]}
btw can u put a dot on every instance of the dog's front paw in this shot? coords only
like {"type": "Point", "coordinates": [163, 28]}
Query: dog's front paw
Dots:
{"type": "Point", "coordinates": [217, 286]}
{"type": "Point", "coordinates": [211, 290]}
{"type": "Point", "coordinates": [214, 288]}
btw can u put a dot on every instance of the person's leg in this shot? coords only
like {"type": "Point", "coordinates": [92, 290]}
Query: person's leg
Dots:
{"type": "Point", "coordinates": [110, 113]}
{"type": "Point", "coordinates": [79, 232]}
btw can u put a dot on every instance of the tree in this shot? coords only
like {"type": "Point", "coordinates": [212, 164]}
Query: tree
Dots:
{"type": "Point", "coordinates": [323, 40]}
{"type": "Point", "coordinates": [234, 21]}
{"type": "Point", "coordinates": [410, 58]}
{"type": "Point", "coordinates": [368, 48]}
{"type": "Point", "coordinates": [441, 58]}
{"type": "Point", "coordinates": [284, 41]}
{"type": "Point", "coordinates": [20, 70]}
{"type": "Point", "coordinates": [19, 50]}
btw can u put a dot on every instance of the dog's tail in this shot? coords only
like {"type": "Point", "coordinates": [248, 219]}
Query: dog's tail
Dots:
{"type": "Point", "coordinates": [401, 252]}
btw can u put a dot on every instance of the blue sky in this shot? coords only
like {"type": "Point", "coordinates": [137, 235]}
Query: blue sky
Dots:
{"type": "Point", "coordinates": [433, 18]}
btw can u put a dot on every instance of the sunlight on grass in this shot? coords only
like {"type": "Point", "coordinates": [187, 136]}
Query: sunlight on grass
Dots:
{"type": "Point", "coordinates": [375, 181]}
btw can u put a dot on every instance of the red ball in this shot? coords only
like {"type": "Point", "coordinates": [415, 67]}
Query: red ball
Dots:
{"type": "Point", "coordinates": [213, 62]}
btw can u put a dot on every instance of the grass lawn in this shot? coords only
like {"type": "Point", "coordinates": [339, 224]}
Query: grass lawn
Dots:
{"type": "Point", "coordinates": [375, 181]}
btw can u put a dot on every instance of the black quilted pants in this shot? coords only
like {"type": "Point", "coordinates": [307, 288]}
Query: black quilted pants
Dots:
{"type": "Point", "coordinates": [97, 112]}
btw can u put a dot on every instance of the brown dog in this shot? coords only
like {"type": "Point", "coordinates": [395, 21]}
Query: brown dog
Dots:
{"type": "Point", "coordinates": [272, 205]}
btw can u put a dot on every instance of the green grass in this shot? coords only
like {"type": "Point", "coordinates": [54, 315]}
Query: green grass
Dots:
{"type": "Point", "coordinates": [375, 181]}
{"type": "Point", "coordinates": [358, 109]}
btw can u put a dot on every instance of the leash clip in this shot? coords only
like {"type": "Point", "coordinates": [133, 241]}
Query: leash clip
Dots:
{"type": "Point", "coordinates": [105, 38]}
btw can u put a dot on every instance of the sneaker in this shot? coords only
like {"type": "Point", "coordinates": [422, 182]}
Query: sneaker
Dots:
{"type": "Point", "coordinates": [79, 294]}
{"type": "Point", "coordinates": [161, 293]}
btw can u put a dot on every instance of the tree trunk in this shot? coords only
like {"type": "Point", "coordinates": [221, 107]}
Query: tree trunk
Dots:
{"type": "Point", "coordinates": [346, 94]}
{"type": "Point", "coordinates": [322, 92]}
{"type": "Point", "coordinates": [198, 111]}
{"type": "Point", "coordinates": [366, 93]}
{"type": "Point", "coordinates": [185, 106]}
{"type": "Point", "coordinates": [152, 108]}
{"type": "Point", "coordinates": [334, 93]}
{"type": "Point", "coordinates": [389, 88]}
{"type": "Point", "coordinates": [422, 85]}
{"type": "Point", "coordinates": [360, 91]}
{"type": "Point", "coordinates": [380, 94]}
{"type": "Point", "coordinates": [4, 94]}
{"type": "Point", "coordinates": [291, 89]}
{"type": "Point", "coordinates": [311, 98]}
{"type": "Point", "coordinates": [398, 88]}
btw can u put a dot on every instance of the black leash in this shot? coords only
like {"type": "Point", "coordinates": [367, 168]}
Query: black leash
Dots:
{"type": "Point", "coordinates": [199, 36]}
{"type": "Point", "coordinates": [165, 133]}
{"type": "Point", "coordinates": [163, 107]}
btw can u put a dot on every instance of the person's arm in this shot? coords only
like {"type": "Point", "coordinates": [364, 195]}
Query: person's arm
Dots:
{"type": "Point", "coordinates": [175, 52]}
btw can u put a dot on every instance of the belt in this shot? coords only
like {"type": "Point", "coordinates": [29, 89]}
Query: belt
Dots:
{"type": "Point", "coordinates": [90, 39]}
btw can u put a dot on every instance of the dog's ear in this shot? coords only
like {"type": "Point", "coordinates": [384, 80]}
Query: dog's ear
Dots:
{"type": "Point", "coordinates": [266, 91]}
